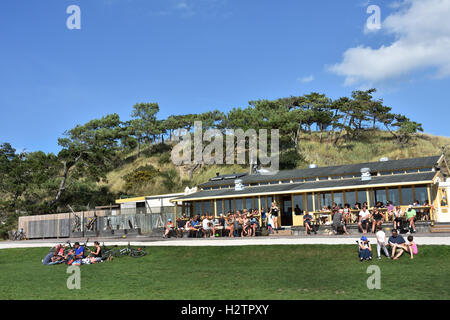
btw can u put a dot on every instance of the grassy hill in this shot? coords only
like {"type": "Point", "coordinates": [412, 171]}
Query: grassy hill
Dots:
{"type": "Point", "coordinates": [371, 146]}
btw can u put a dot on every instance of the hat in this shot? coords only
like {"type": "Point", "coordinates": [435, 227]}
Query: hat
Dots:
{"type": "Point", "coordinates": [170, 220]}
{"type": "Point", "coordinates": [364, 238]}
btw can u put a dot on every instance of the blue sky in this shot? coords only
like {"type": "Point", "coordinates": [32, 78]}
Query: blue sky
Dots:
{"type": "Point", "coordinates": [197, 55]}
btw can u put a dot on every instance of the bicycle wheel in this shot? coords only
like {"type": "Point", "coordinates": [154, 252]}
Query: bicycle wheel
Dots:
{"type": "Point", "coordinates": [139, 252]}
{"type": "Point", "coordinates": [106, 255]}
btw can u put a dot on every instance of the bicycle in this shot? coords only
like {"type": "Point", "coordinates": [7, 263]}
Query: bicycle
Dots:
{"type": "Point", "coordinates": [108, 252]}
{"type": "Point", "coordinates": [19, 235]}
{"type": "Point", "coordinates": [132, 252]}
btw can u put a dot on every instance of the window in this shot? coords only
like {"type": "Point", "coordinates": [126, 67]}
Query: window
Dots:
{"type": "Point", "coordinates": [309, 199]}
{"type": "Point", "coordinates": [362, 196]}
{"type": "Point", "coordinates": [227, 205]}
{"type": "Point", "coordinates": [350, 198]}
{"type": "Point", "coordinates": [425, 169]}
{"type": "Point", "coordinates": [248, 203]}
{"type": "Point", "coordinates": [338, 198]}
{"type": "Point", "coordinates": [298, 201]}
{"type": "Point", "coordinates": [421, 194]}
{"type": "Point", "coordinates": [239, 204]}
{"type": "Point", "coordinates": [394, 196]}
{"type": "Point", "coordinates": [269, 202]}
{"type": "Point", "coordinates": [207, 209]}
{"type": "Point", "coordinates": [411, 171]}
{"type": "Point", "coordinates": [198, 207]}
{"type": "Point", "coordinates": [407, 196]}
{"type": "Point", "coordinates": [380, 196]}
{"type": "Point", "coordinates": [325, 199]}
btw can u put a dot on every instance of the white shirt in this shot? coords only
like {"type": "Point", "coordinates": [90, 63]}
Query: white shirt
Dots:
{"type": "Point", "coordinates": [381, 236]}
{"type": "Point", "coordinates": [205, 224]}
{"type": "Point", "coordinates": [364, 214]}
{"type": "Point", "coordinates": [365, 245]}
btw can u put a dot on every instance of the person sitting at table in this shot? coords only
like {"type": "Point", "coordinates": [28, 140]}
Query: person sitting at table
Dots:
{"type": "Point", "coordinates": [364, 216]}
{"type": "Point", "coordinates": [307, 222]}
{"type": "Point", "coordinates": [377, 219]}
{"type": "Point", "coordinates": [230, 225]}
{"type": "Point", "coordinates": [410, 216]}
{"type": "Point", "coordinates": [194, 227]}
{"type": "Point", "coordinates": [207, 227]}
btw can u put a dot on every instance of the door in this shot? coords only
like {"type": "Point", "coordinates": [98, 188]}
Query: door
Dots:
{"type": "Point", "coordinates": [286, 211]}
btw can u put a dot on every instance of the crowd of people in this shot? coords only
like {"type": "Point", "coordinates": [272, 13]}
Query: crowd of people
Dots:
{"type": "Point", "coordinates": [371, 219]}
{"type": "Point", "coordinates": [74, 256]}
{"type": "Point", "coordinates": [246, 223]}
{"type": "Point", "coordinates": [243, 223]}
{"type": "Point", "coordinates": [396, 243]}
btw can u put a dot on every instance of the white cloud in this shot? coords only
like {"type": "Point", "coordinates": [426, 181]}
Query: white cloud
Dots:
{"type": "Point", "coordinates": [422, 42]}
{"type": "Point", "coordinates": [306, 79]}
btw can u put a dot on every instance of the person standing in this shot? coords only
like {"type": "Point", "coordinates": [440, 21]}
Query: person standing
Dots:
{"type": "Point", "coordinates": [274, 211]}
{"type": "Point", "coordinates": [381, 242]}
{"type": "Point", "coordinates": [410, 216]}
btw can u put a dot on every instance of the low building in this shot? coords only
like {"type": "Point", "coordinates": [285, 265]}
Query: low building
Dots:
{"type": "Point", "coordinates": [148, 204]}
{"type": "Point", "coordinates": [401, 182]}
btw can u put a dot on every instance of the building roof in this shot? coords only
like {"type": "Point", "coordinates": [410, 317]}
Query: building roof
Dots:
{"type": "Point", "coordinates": [337, 184]}
{"type": "Point", "coordinates": [343, 170]}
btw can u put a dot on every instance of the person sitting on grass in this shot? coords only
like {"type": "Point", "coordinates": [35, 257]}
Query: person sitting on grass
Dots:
{"type": "Point", "coordinates": [381, 242]}
{"type": "Point", "coordinates": [377, 219]}
{"type": "Point", "coordinates": [395, 241]}
{"type": "Point", "coordinates": [365, 249]}
{"type": "Point", "coordinates": [411, 248]}
{"type": "Point", "coordinates": [96, 254]}
{"type": "Point", "coordinates": [169, 228]}
{"type": "Point", "coordinates": [79, 251]}
{"type": "Point", "coordinates": [363, 222]}
{"type": "Point", "coordinates": [307, 222]}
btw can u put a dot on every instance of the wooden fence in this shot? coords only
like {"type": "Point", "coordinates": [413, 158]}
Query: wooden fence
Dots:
{"type": "Point", "coordinates": [64, 225]}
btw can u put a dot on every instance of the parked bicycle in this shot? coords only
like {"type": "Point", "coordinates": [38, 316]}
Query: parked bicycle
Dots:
{"type": "Point", "coordinates": [132, 252]}
{"type": "Point", "coordinates": [108, 252]}
{"type": "Point", "coordinates": [19, 235]}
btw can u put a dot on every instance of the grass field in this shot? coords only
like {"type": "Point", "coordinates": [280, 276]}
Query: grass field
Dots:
{"type": "Point", "coordinates": [249, 272]}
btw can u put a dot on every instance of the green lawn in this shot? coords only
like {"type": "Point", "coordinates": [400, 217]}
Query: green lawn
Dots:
{"type": "Point", "coordinates": [249, 272]}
